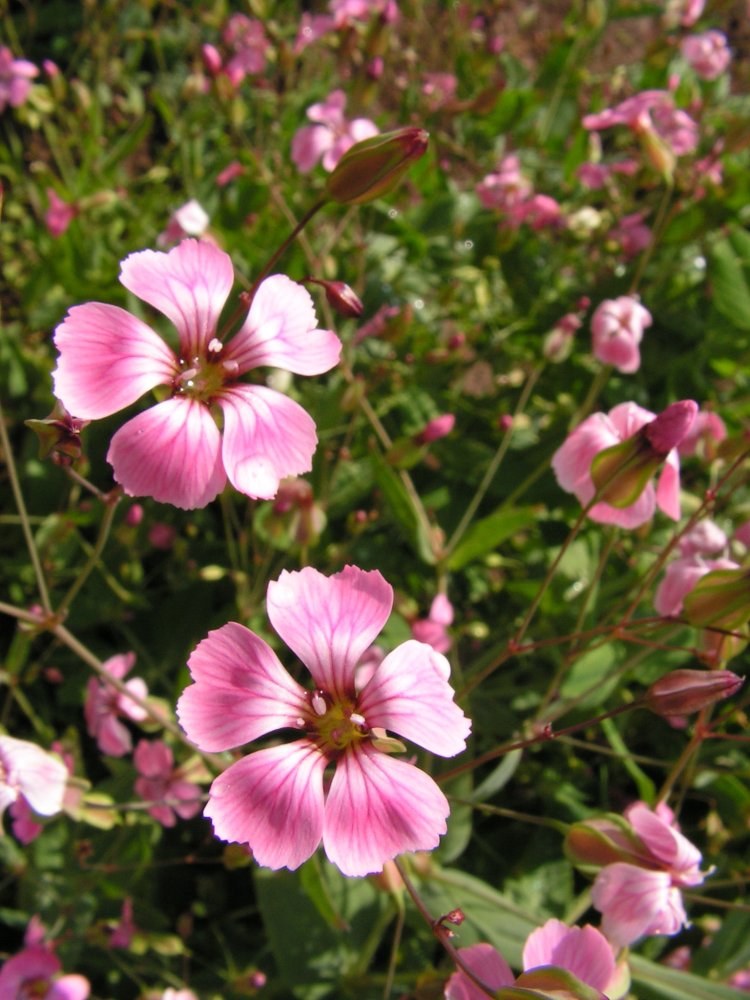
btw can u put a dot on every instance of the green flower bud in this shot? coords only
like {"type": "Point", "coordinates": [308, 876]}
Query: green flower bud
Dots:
{"type": "Point", "coordinates": [682, 692]}
{"type": "Point", "coordinates": [374, 167]}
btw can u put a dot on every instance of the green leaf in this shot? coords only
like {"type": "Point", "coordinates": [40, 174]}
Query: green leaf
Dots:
{"type": "Point", "coordinates": [730, 287]}
{"type": "Point", "coordinates": [486, 534]}
{"type": "Point", "coordinates": [652, 981]}
{"type": "Point", "coordinates": [402, 508]}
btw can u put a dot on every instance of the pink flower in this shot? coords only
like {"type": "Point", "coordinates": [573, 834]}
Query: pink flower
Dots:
{"type": "Point", "coordinates": [617, 329]}
{"type": "Point", "coordinates": [572, 467]}
{"type": "Point", "coordinates": [33, 972]}
{"type": "Point", "coordinates": [174, 451]}
{"type": "Point", "coordinates": [434, 629]}
{"type": "Point", "coordinates": [438, 427]}
{"type": "Point", "coordinates": [704, 538]}
{"type": "Point", "coordinates": [680, 577]}
{"type": "Point", "coordinates": [635, 901]}
{"type": "Point", "coordinates": [162, 783]}
{"type": "Point", "coordinates": [59, 215]}
{"type": "Point", "coordinates": [346, 11]}
{"type": "Point", "coordinates": [707, 54]}
{"type": "Point", "coordinates": [506, 188]}
{"type": "Point", "coordinates": [230, 173]}
{"type": "Point", "coordinates": [539, 211]}
{"type": "Point", "coordinates": [584, 951]}
{"type": "Point", "coordinates": [15, 79]}
{"type": "Point", "coordinates": [331, 135]}
{"type": "Point", "coordinates": [275, 799]}
{"type": "Point", "coordinates": [104, 704]}
{"type": "Point", "coordinates": [707, 431]}
{"type": "Point", "coordinates": [439, 88]}
{"type": "Point", "coordinates": [488, 966]}
{"type": "Point", "coordinates": [123, 932]}
{"type": "Point", "coordinates": [311, 28]}
{"type": "Point", "coordinates": [650, 110]}
{"type": "Point", "coordinates": [189, 219]}
{"type": "Point", "coordinates": [632, 234]}
{"type": "Point", "coordinates": [247, 39]}
{"type": "Point", "coordinates": [27, 772]}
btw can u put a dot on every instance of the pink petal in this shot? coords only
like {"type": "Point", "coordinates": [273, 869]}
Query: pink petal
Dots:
{"type": "Point", "coordinates": [108, 359]}
{"type": "Point", "coordinates": [129, 708]}
{"type": "Point", "coordinates": [112, 736]}
{"type": "Point", "coordinates": [309, 144]}
{"type": "Point", "coordinates": [379, 807]}
{"type": "Point", "coordinates": [241, 691]}
{"type": "Point", "coordinates": [267, 437]}
{"type": "Point", "coordinates": [71, 987]}
{"type": "Point", "coordinates": [281, 331]}
{"type": "Point", "coordinates": [571, 462]}
{"type": "Point", "coordinates": [487, 965]}
{"type": "Point", "coordinates": [584, 951]}
{"type": "Point", "coordinates": [153, 759]}
{"type": "Point", "coordinates": [120, 664]}
{"type": "Point", "coordinates": [272, 801]}
{"type": "Point", "coordinates": [668, 487]}
{"type": "Point", "coordinates": [666, 843]}
{"type": "Point", "coordinates": [634, 901]}
{"type": "Point", "coordinates": [627, 418]}
{"type": "Point", "coordinates": [409, 695]}
{"type": "Point", "coordinates": [627, 517]}
{"type": "Point", "coordinates": [39, 776]}
{"type": "Point", "coordinates": [190, 285]}
{"type": "Point", "coordinates": [172, 453]}
{"type": "Point", "coordinates": [329, 622]}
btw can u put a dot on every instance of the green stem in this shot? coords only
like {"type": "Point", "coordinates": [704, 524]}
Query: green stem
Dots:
{"type": "Point", "coordinates": [656, 231]}
{"type": "Point", "coordinates": [23, 514]}
{"type": "Point", "coordinates": [93, 559]}
{"type": "Point", "coordinates": [494, 465]}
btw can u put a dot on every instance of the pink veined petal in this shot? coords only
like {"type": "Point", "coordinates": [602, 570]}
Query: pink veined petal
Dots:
{"type": "Point", "coordinates": [267, 437]}
{"type": "Point", "coordinates": [309, 144]}
{"type": "Point", "coordinates": [668, 487]}
{"type": "Point", "coordinates": [281, 331]}
{"type": "Point", "coordinates": [584, 951]}
{"type": "Point", "coordinates": [189, 285]}
{"type": "Point", "coordinates": [112, 736]}
{"type": "Point", "coordinates": [329, 622]}
{"type": "Point", "coordinates": [487, 964]}
{"type": "Point", "coordinates": [409, 695]}
{"type": "Point", "coordinates": [39, 776]}
{"type": "Point", "coordinates": [627, 517]}
{"type": "Point", "coordinates": [379, 807]}
{"type": "Point", "coordinates": [571, 462]}
{"type": "Point", "coordinates": [667, 844]}
{"type": "Point", "coordinates": [108, 359]}
{"type": "Point", "coordinates": [634, 901]}
{"type": "Point", "coordinates": [627, 418]}
{"type": "Point", "coordinates": [272, 800]}
{"type": "Point", "coordinates": [240, 691]}
{"type": "Point", "coordinates": [153, 759]}
{"type": "Point", "coordinates": [171, 452]}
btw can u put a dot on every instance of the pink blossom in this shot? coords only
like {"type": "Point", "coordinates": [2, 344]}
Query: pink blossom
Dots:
{"type": "Point", "coordinates": [539, 211]}
{"type": "Point", "coordinates": [123, 932]}
{"type": "Point", "coordinates": [33, 972]}
{"type": "Point", "coordinates": [704, 538]}
{"type": "Point", "coordinates": [680, 576]}
{"type": "Point", "coordinates": [707, 431]}
{"type": "Point", "coordinates": [650, 109]}
{"type": "Point", "coordinates": [15, 79]}
{"type": "Point", "coordinates": [105, 704]}
{"type": "Point", "coordinates": [160, 782]}
{"type": "Point", "coordinates": [211, 59]}
{"type": "Point", "coordinates": [506, 188]}
{"type": "Point", "coordinates": [189, 219]}
{"type": "Point", "coordinates": [28, 772]}
{"type": "Point", "coordinates": [593, 175]}
{"type": "Point", "coordinates": [346, 11]}
{"type": "Point", "coordinates": [230, 173]}
{"type": "Point", "coordinates": [584, 951]}
{"type": "Point", "coordinates": [438, 427]}
{"type": "Point", "coordinates": [617, 329]}
{"type": "Point", "coordinates": [434, 628]}
{"type": "Point", "coordinates": [635, 901]}
{"type": "Point", "coordinates": [740, 980]}
{"type": "Point", "coordinates": [311, 28]}
{"type": "Point", "coordinates": [174, 451]}
{"type": "Point", "coordinates": [689, 11]}
{"type": "Point", "coordinates": [275, 799]}
{"type": "Point", "coordinates": [330, 136]}
{"type": "Point", "coordinates": [488, 966]}
{"type": "Point", "coordinates": [707, 54]}
{"type": "Point", "coordinates": [59, 215]}
{"type": "Point", "coordinates": [572, 467]}
{"type": "Point", "coordinates": [247, 39]}
{"type": "Point", "coordinates": [632, 234]}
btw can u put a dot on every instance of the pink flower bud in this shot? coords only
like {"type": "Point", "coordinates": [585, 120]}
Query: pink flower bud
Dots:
{"type": "Point", "coordinates": [671, 426]}
{"type": "Point", "coordinates": [682, 692]}
{"type": "Point", "coordinates": [436, 429]}
{"type": "Point", "coordinates": [374, 167]}
{"type": "Point", "coordinates": [340, 296]}
{"type": "Point", "coordinates": [211, 59]}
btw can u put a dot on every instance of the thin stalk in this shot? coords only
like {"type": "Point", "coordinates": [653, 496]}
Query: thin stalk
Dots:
{"type": "Point", "coordinates": [656, 231]}
{"type": "Point", "coordinates": [494, 465]}
{"type": "Point", "coordinates": [23, 514]}
{"type": "Point", "coordinates": [395, 944]}
{"type": "Point", "coordinates": [93, 559]}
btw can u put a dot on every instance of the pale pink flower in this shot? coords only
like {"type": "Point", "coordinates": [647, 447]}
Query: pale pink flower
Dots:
{"type": "Point", "coordinates": [275, 800]}
{"type": "Point", "coordinates": [707, 431]}
{"type": "Point", "coordinates": [539, 211]}
{"type": "Point", "coordinates": [707, 54]}
{"type": "Point", "coordinates": [506, 188]}
{"type": "Point", "coordinates": [247, 39]}
{"type": "Point", "coordinates": [15, 79]}
{"type": "Point", "coordinates": [434, 628]}
{"type": "Point", "coordinates": [27, 772]}
{"type": "Point", "coordinates": [593, 176]}
{"type": "Point", "coordinates": [174, 451]}
{"type": "Point", "coordinates": [740, 980]}
{"type": "Point", "coordinates": [105, 704]}
{"type": "Point", "coordinates": [330, 136]}
{"type": "Point", "coordinates": [572, 467]}
{"type": "Point", "coordinates": [59, 214]}
{"type": "Point", "coordinates": [189, 219]}
{"type": "Point", "coordinates": [162, 783]}
{"type": "Point", "coordinates": [635, 901]}
{"type": "Point", "coordinates": [680, 576]}
{"type": "Point", "coordinates": [705, 538]}
{"type": "Point", "coordinates": [650, 109]}
{"type": "Point", "coordinates": [617, 329]}
{"type": "Point", "coordinates": [34, 972]}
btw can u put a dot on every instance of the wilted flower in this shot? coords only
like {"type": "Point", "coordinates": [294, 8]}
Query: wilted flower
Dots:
{"type": "Point", "coordinates": [617, 329]}
{"type": "Point", "coordinates": [707, 54]}
{"type": "Point", "coordinates": [174, 451]}
{"type": "Point", "coordinates": [330, 136]}
{"type": "Point", "coordinates": [275, 800]}
{"type": "Point", "coordinates": [105, 704]}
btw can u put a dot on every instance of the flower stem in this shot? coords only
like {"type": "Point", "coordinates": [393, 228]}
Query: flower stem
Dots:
{"type": "Point", "coordinates": [93, 559]}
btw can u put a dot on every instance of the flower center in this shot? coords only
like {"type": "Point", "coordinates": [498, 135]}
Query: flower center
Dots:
{"type": "Point", "coordinates": [336, 724]}
{"type": "Point", "coordinates": [201, 378]}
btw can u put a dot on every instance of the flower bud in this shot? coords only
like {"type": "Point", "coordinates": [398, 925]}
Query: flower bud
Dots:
{"type": "Point", "coordinates": [374, 167]}
{"type": "Point", "coordinates": [620, 473]}
{"type": "Point", "coordinates": [720, 599]}
{"type": "Point", "coordinates": [593, 843]}
{"type": "Point", "coordinates": [682, 692]}
{"type": "Point", "coordinates": [59, 435]}
{"type": "Point", "coordinates": [435, 429]}
{"type": "Point", "coordinates": [340, 296]}
{"type": "Point", "coordinates": [658, 153]}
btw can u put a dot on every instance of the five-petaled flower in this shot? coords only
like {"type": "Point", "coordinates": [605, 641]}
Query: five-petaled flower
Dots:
{"type": "Point", "coordinates": [175, 452]}
{"type": "Point", "coordinates": [279, 800]}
